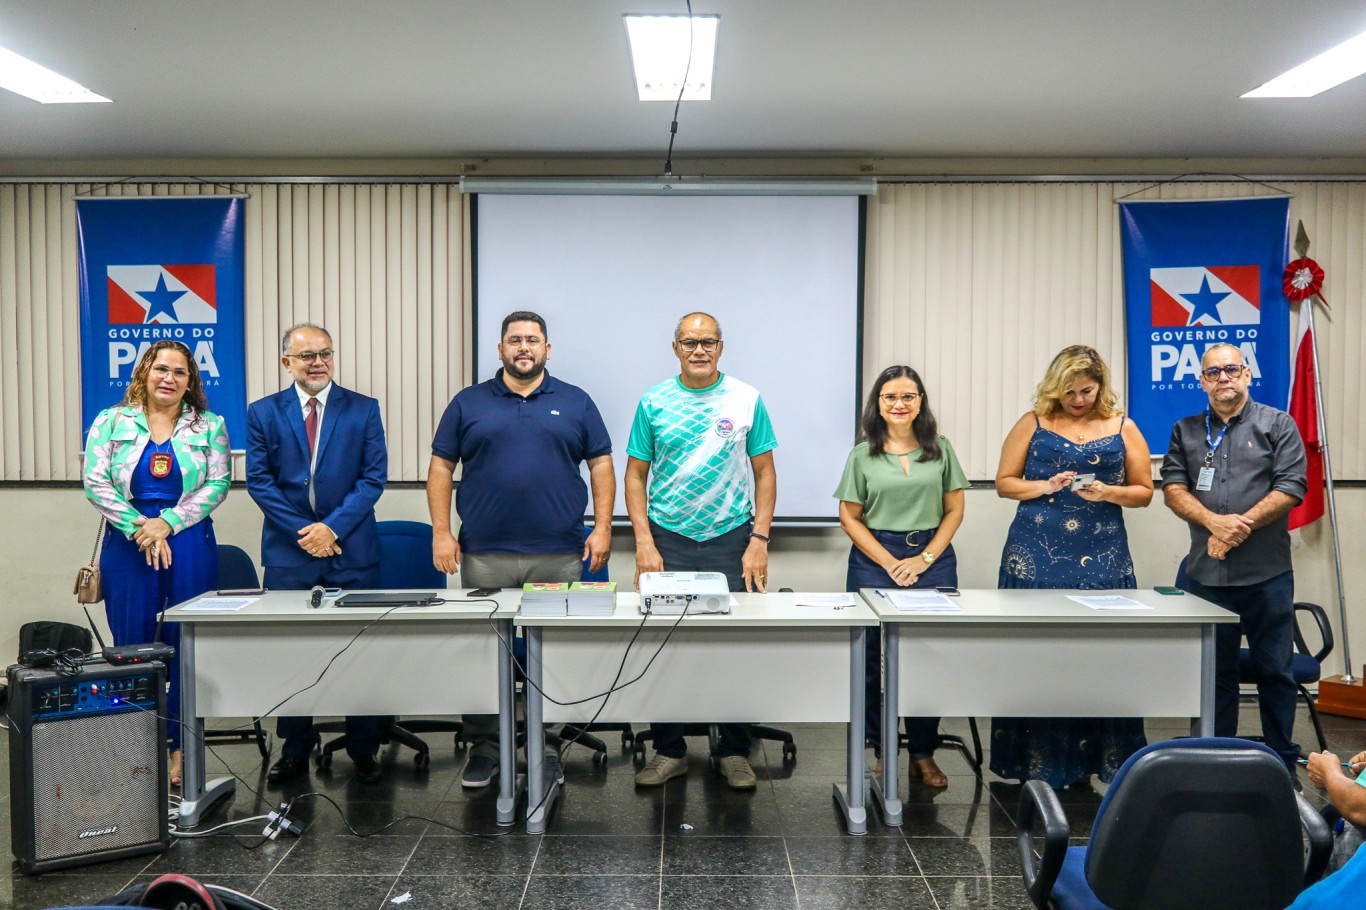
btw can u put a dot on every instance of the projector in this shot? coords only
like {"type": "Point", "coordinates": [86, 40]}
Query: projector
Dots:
{"type": "Point", "coordinates": [676, 593]}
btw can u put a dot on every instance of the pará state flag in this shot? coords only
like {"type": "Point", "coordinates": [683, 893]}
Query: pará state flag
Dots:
{"type": "Point", "coordinates": [163, 268]}
{"type": "Point", "coordinates": [1196, 274]}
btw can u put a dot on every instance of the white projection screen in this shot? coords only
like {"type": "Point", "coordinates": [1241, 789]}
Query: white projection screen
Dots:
{"type": "Point", "coordinates": [612, 275]}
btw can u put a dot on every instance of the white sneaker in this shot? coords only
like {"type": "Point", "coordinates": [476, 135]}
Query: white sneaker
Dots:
{"type": "Point", "coordinates": [737, 772]}
{"type": "Point", "coordinates": [661, 770]}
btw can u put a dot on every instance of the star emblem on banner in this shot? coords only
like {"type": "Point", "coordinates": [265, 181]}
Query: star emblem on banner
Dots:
{"type": "Point", "coordinates": [1204, 302]}
{"type": "Point", "coordinates": [161, 300]}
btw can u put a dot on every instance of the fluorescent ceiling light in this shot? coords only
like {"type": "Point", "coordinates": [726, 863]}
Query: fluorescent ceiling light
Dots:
{"type": "Point", "coordinates": [24, 77]}
{"type": "Point", "coordinates": [1334, 67]}
{"type": "Point", "coordinates": [659, 54]}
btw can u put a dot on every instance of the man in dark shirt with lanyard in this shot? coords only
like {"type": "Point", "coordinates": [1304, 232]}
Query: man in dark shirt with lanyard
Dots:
{"type": "Point", "coordinates": [1234, 473]}
{"type": "Point", "coordinates": [521, 437]}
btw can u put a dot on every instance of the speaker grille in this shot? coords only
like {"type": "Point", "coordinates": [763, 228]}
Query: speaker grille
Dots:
{"type": "Point", "coordinates": [93, 774]}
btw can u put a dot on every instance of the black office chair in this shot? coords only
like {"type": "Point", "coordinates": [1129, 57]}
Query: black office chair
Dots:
{"type": "Point", "coordinates": [958, 744]}
{"type": "Point", "coordinates": [1306, 666]}
{"type": "Point", "coordinates": [405, 562]}
{"type": "Point", "coordinates": [237, 571]}
{"type": "Point", "coordinates": [1211, 823]}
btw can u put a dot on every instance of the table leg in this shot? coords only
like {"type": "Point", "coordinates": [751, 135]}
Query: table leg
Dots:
{"type": "Point", "coordinates": [850, 795]}
{"type": "Point", "coordinates": [884, 786]}
{"type": "Point", "coordinates": [540, 793]}
{"type": "Point", "coordinates": [507, 730]}
{"type": "Point", "coordinates": [196, 795]}
{"type": "Point", "coordinates": [1205, 725]}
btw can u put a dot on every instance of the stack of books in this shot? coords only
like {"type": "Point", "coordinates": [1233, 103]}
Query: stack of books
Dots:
{"type": "Point", "coordinates": [545, 599]}
{"type": "Point", "coordinates": [592, 598]}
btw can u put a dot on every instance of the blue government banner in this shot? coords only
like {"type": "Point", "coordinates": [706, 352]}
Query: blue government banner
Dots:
{"type": "Point", "coordinates": [162, 268]}
{"type": "Point", "coordinates": [1197, 274]}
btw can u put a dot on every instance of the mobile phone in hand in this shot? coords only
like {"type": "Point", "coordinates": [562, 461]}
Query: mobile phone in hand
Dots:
{"type": "Point", "coordinates": [1082, 480]}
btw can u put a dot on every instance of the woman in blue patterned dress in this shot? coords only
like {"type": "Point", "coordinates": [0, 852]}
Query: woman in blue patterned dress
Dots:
{"type": "Point", "coordinates": [1065, 537]}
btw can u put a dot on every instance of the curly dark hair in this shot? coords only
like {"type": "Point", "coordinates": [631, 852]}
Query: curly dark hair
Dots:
{"type": "Point", "coordinates": [874, 429]}
{"type": "Point", "coordinates": [136, 394]}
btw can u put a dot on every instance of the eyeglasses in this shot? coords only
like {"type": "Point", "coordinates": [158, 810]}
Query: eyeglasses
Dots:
{"type": "Point", "coordinates": [1229, 369]}
{"type": "Point", "coordinates": [904, 398]}
{"type": "Point", "coordinates": [313, 356]}
{"type": "Point", "coordinates": [161, 372]}
{"type": "Point", "coordinates": [516, 341]}
{"type": "Point", "coordinates": [692, 344]}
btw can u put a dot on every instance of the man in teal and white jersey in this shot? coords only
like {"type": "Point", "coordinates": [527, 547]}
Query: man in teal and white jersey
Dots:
{"type": "Point", "coordinates": [701, 434]}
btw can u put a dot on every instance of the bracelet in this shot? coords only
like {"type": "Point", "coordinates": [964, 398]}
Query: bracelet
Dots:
{"type": "Point", "coordinates": [763, 537]}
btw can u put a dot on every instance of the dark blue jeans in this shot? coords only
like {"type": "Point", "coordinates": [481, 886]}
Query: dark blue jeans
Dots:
{"type": "Point", "coordinates": [720, 554]}
{"type": "Point", "coordinates": [1267, 611]}
{"type": "Point", "coordinates": [362, 733]}
{"type": "Point", "coordinates": [922, 733]}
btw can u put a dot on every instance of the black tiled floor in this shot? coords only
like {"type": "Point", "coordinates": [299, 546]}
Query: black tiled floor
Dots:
{"type": "Point", "coordinates": [693, 843]}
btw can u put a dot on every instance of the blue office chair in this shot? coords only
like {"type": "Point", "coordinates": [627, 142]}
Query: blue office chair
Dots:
{"type": "Point", "coordinates": [1212, 823]}
{"type": "Point", "coordinates": [405, 562]}
{"type": "Point", "coordinates": [1306, 666]}
{"type": "Point", "coordinates": [236, 571]}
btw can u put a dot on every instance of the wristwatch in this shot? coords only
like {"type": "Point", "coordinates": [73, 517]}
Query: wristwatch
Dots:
{"type": "Point", "coordinates": [928, 557]}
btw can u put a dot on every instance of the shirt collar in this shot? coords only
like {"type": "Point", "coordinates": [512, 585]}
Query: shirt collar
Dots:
{"type": "Point", "coordinates": [321, 396]}
{"type": "Point", "coordinates": [501, 388]}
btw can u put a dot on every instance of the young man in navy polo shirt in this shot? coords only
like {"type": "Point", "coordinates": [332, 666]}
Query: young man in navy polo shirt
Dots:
{"type": "Point", "coordinates": [521, 437]}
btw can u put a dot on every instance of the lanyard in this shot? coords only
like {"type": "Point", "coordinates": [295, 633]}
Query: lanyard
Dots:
{"type": "Point", "coordinates": [1213, 444]}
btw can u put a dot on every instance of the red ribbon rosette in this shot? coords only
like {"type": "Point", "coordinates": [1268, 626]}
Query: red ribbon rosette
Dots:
{"type": "Point", "coordinates": [1303, 279]}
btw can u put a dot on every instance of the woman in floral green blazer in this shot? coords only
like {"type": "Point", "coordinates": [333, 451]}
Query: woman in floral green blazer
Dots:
{"type": "Point", "coordinates": [156, 466]}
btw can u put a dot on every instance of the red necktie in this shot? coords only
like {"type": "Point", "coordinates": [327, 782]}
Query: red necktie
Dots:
{"type": "Point", "coordinates": [311, 426]}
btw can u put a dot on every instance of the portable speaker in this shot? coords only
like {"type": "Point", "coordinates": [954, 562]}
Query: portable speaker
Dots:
{"type": "Point", "coordinates": [87, 764]}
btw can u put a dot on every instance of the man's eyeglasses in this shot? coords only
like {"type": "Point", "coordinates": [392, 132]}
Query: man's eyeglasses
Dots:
{"type": "Point", "coordinates": [692, 344]}
{"type": "Point", "coordinates": [1229, 369]}
{"type": "Point", "coordinates": [161, 372]}
{"type": "Point", "coordinates": [516, 341]}
{"type": "Point", "coordinates": [904, 398]}
{"type": "Point", "coordinates": [313, 356]}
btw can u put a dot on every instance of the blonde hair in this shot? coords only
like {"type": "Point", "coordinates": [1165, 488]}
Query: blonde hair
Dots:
{"type": "Point", "coordinates": [1074, 362]}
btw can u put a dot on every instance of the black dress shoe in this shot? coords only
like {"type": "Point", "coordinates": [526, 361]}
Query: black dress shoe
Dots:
{"type": "Point", "coordinates": [287, 769]}
{"type": "Point", "coordinates": [368, 770]}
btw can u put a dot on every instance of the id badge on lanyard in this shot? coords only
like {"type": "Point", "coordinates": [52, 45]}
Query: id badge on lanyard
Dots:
{"type": "Point", "coordinates": [1205, 482]}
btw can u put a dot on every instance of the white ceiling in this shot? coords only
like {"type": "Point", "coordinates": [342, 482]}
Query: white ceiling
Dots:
{"type": "Point", "coordinates": [320, 79]}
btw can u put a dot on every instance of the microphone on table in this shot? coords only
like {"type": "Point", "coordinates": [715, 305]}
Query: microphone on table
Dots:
{"type": "Point", "coordinates": [315, 596]}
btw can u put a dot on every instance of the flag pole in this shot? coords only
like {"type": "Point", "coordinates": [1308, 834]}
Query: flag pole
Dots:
{"type": "Point", "coordinates": [1308, 313]}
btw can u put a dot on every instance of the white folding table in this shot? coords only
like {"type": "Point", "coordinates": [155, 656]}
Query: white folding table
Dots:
{"type": "Point", "coordinates": [1035, 653]}
{"type": "Point", "coordinates": [768, 660]}
{"type": "Point", "coordinates": [277, 656]}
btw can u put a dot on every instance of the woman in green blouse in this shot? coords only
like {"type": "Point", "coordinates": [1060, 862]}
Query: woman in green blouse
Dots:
{"type": "Point", "coordinates": [901, 500]}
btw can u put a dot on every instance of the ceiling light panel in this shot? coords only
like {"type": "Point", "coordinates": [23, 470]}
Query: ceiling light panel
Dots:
{"type": "Point", "coordinates": [1333, 67]}
{"type": "Point", "coordinates": [660, 48]}
{"type": "Point", "coordinates": [24, 77]}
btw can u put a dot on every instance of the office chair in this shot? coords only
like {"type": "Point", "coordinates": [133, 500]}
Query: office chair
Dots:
{"type": "Point", "coordinates": [1212, 823]}
{"type": "Point", "coordinates": [583, 735]}
{"type": "Point", "coordinates": [405, 562]}
{"type": "Point", "coordinates": [237, 571]}
{"type": "Point", "coordinates": [1305, 666]}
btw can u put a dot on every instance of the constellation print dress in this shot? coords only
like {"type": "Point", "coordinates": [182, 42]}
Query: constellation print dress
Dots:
{"type": "Point", "coordinates": [1064, 541]}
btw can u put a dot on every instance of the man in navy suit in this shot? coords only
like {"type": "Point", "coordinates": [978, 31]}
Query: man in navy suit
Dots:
{"type": "Point", "coordinates": [316, 465]}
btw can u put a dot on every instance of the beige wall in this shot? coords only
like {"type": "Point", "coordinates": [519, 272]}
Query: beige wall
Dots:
{"type": "Point", "coordinates": [49, 533]}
